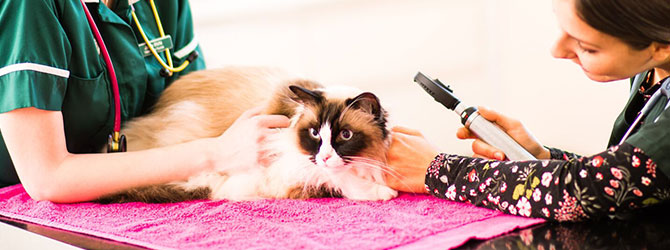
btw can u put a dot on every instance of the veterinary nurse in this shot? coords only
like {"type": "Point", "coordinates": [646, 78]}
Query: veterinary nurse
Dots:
{"type": "Point", "coordinates": [57, 103]}
{"type": "Point", "coordinates": [609, 40]}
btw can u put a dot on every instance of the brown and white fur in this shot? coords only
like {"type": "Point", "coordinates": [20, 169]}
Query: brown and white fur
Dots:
{"type": "Point", "coordinates": [335, 146]}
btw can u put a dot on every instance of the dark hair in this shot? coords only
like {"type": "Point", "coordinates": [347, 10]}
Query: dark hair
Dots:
{"type": "Point", "coordinates": [637, 23]}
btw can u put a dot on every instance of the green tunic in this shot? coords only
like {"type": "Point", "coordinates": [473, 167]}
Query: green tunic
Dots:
{"type": "Point", "coordinates": [50, 60]}
{"type": "Point", "coordinates": [652, 137]}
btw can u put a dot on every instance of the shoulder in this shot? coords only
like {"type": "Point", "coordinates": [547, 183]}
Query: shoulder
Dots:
{"type": "Point", "coordinates": [12, 6]}
{"type": "Point", "coordinates": [31, 10]}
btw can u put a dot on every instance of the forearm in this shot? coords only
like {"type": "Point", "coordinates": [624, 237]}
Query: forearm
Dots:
{"type": "Point", "coordinates": [101, 174]}
{"type": "Point", "coordinates": [84, 177]}
{"type": "Point", "coordinates": [36, 143]}
{"type": "Point", "coordinates": [611, 183]}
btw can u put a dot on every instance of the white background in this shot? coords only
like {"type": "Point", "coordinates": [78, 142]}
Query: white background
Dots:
{"type": "Point", "coordinates": [492, 53]}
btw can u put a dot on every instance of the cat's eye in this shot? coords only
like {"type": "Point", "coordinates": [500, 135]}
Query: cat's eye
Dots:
{"type": "Point", "coordinates": [346, 134]}
{"type": "Point", "coordinates": [314, 133]}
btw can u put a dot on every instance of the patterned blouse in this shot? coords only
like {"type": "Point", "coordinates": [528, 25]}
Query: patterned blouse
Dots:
{"type": "Point", "coordinates": [566, 188]}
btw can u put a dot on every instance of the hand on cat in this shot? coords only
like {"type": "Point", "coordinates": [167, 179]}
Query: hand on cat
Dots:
{"type": "Point", "coordinates": [513, 128]}
{"type": "Point", "coordinates": [408, 159]}
{"type": "Point", "coordinates": [240, 145]}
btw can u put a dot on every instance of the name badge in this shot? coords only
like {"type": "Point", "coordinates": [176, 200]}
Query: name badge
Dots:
{"type": "Point", "coordinates": [160, 44]}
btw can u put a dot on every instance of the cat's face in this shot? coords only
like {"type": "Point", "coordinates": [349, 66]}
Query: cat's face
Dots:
{"type": "Point", "coordinates": [341, 132]}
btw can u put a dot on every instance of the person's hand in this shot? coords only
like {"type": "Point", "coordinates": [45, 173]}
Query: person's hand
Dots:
{"type": "Point", "coordinates": [239, 147]}
{"type": "Point", "coordinates": [408, 158]}
{"type": "Point", "coordinates": [513, 128]}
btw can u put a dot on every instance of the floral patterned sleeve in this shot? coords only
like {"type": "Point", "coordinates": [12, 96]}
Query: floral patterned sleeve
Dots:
{"type": "Point", "coordinates": [611, 183]}
{"type": "Point", "coordinates": [557, 154]}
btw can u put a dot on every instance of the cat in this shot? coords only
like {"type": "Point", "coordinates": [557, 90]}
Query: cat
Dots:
{"type": "Point", "coordinates": [335, 145]}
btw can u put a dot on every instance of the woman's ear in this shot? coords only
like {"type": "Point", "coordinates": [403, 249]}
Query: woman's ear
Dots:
{"type": "Point", "coordinates": [661, 51]}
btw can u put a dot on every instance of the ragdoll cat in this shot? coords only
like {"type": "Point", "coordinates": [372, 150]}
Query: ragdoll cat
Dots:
{"type": "Point", "coordinates": [335, 146]}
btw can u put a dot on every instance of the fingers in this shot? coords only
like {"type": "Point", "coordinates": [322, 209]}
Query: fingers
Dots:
{"type": "Point", "coordinates": [503, 121]}
{"type": "Point", "coordinates": [464, 133]}
{"type": "Point", "coordinates": [489, 114]}
{"type": "Point", "coordinates": [252, 112]}
{"type": "Point", "coordinates": [265, 121]}
{"type": "Point", "coordinates": [485, 150]}
{"type": "Point", "coordinates": [405, 130]}
{"type": "Point", "coordinates": [266, 157]}
{"type": "Point", "coordinates": [479, 156]}
{"type": "Point", "coordinates": [273, 121]}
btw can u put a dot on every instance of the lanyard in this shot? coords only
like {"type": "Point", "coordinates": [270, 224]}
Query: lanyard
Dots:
{"type": "Point", "coordinates": [168, 68]}
{"type": "Point", "coordinates": [117, 142]}
{"type": "Point", "coordinates": [664, 90]}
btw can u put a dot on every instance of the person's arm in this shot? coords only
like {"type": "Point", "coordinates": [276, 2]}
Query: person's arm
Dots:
{"type": "Point", "coordinates": [410, 153]}
{"type": "Point", "coordinates": [611, 183]}
{"type": "Point", "coordinates": [36, 143]}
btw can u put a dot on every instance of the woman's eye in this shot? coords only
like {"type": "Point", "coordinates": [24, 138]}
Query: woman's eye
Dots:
{"type": "Point", "coordinates": [585, 50]}
{"type": "Point", "coordinates": [346, 134]}
{"type": "Point", "coordinates": [588, 51]}
{"type": "Point", "coordinates": [314, 133]}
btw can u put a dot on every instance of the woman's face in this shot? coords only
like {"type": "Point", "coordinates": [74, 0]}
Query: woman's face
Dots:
{"type": "Point", "coordinates": [602, 57]}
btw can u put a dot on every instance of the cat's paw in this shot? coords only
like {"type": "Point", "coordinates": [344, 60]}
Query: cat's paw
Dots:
{"type": "Point", "coordinates": [386, 193]}
{"type": "Point", "coordinates": [373, 193]}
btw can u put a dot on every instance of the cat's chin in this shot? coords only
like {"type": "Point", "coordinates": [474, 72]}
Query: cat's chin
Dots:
{"type": "Point", "coordinates": [333, 165]}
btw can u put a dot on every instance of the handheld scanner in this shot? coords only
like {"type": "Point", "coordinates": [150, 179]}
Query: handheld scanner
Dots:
{"type": "Point", "coordinates": [484, 129]}
{"type": "Point", "coordinates": [442, 94]}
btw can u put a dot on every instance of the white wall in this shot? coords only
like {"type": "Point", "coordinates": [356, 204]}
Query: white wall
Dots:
{"type": "Point", "coordinates": [492, 53]}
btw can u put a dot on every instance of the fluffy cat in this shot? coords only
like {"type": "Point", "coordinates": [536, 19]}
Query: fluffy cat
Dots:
{"type": "Point", "coordinates": [335, 146]}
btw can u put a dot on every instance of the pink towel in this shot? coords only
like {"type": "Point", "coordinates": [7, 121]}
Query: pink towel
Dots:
{"type": "Point", "coordinates": [409, 221]}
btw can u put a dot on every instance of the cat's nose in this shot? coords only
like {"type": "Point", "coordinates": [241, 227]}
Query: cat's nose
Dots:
{"type": "Point", "coordinates": [326, 157]}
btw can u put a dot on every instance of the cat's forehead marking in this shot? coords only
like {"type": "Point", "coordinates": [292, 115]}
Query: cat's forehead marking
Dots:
{"type": "Point", "coordinates": [330, 112]}
{"type": "Point", "coordinates": [325, 133]}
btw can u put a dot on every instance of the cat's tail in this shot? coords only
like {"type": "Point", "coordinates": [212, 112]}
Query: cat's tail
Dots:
{"type": "Point", "coordinates": [167, 193]}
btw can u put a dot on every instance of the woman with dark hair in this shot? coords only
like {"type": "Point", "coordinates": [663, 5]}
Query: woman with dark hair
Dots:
{"type": "Point", "coordinates": [609, 40]}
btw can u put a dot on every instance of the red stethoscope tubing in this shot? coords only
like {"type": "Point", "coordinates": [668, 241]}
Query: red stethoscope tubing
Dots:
{"type": "Point", "coordinates": [110, 68]}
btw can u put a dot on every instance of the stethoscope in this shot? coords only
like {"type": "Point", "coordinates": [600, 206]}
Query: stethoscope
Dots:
{"type": "Point", "coordinates": [663, 90]}
{"type": "Point", "coordinates": [117, 141]}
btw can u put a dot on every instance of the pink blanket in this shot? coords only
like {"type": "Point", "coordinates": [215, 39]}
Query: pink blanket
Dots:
{"type": "Point", "coordinates": [409, 221]}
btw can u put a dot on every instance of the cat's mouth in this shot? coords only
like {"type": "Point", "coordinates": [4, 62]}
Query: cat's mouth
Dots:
{"type": "Point", "coordinates": [334, 162]}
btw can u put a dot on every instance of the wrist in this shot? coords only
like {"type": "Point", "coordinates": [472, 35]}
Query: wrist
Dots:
{"type": "Point", "coordinates": [545, 154]}
{"type": "Point", "coordinates": [434, 173]}
{"type": "Point", "coordinates": [205, 152]}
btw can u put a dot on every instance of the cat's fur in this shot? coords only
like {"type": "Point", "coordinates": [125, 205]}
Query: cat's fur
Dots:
{"type": "Point", "coordinates": [314, 157]}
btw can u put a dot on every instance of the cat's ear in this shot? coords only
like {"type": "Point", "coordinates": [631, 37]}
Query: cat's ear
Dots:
{"type": "Point", "coordinates": [304, 96]}
{"type": "Point", "coordinates": [367, 102]}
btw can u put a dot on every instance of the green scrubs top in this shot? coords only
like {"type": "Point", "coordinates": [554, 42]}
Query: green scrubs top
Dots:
{"type": "Point", "coordinates": [652, 137]}
{"type": "Point", "coordinates": [49, 60]}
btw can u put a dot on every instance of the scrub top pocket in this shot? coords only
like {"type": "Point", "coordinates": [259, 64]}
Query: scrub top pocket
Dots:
{"type": "Point", "coordinates": [87, 113]}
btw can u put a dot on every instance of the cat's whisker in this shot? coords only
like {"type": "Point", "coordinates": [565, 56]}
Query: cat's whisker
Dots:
{"type": "Point", "coordinates": [366, 162]}
{"type": "Point", "coordinates": [359, 158]}
{"type": "Point", "coordinates": [373, 164]}
{"type": "Point", "coordinates": [376, 167]}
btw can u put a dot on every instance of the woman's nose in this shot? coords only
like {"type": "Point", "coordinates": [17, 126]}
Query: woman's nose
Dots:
{"type": "Point", "coordinates": [562, 48]}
